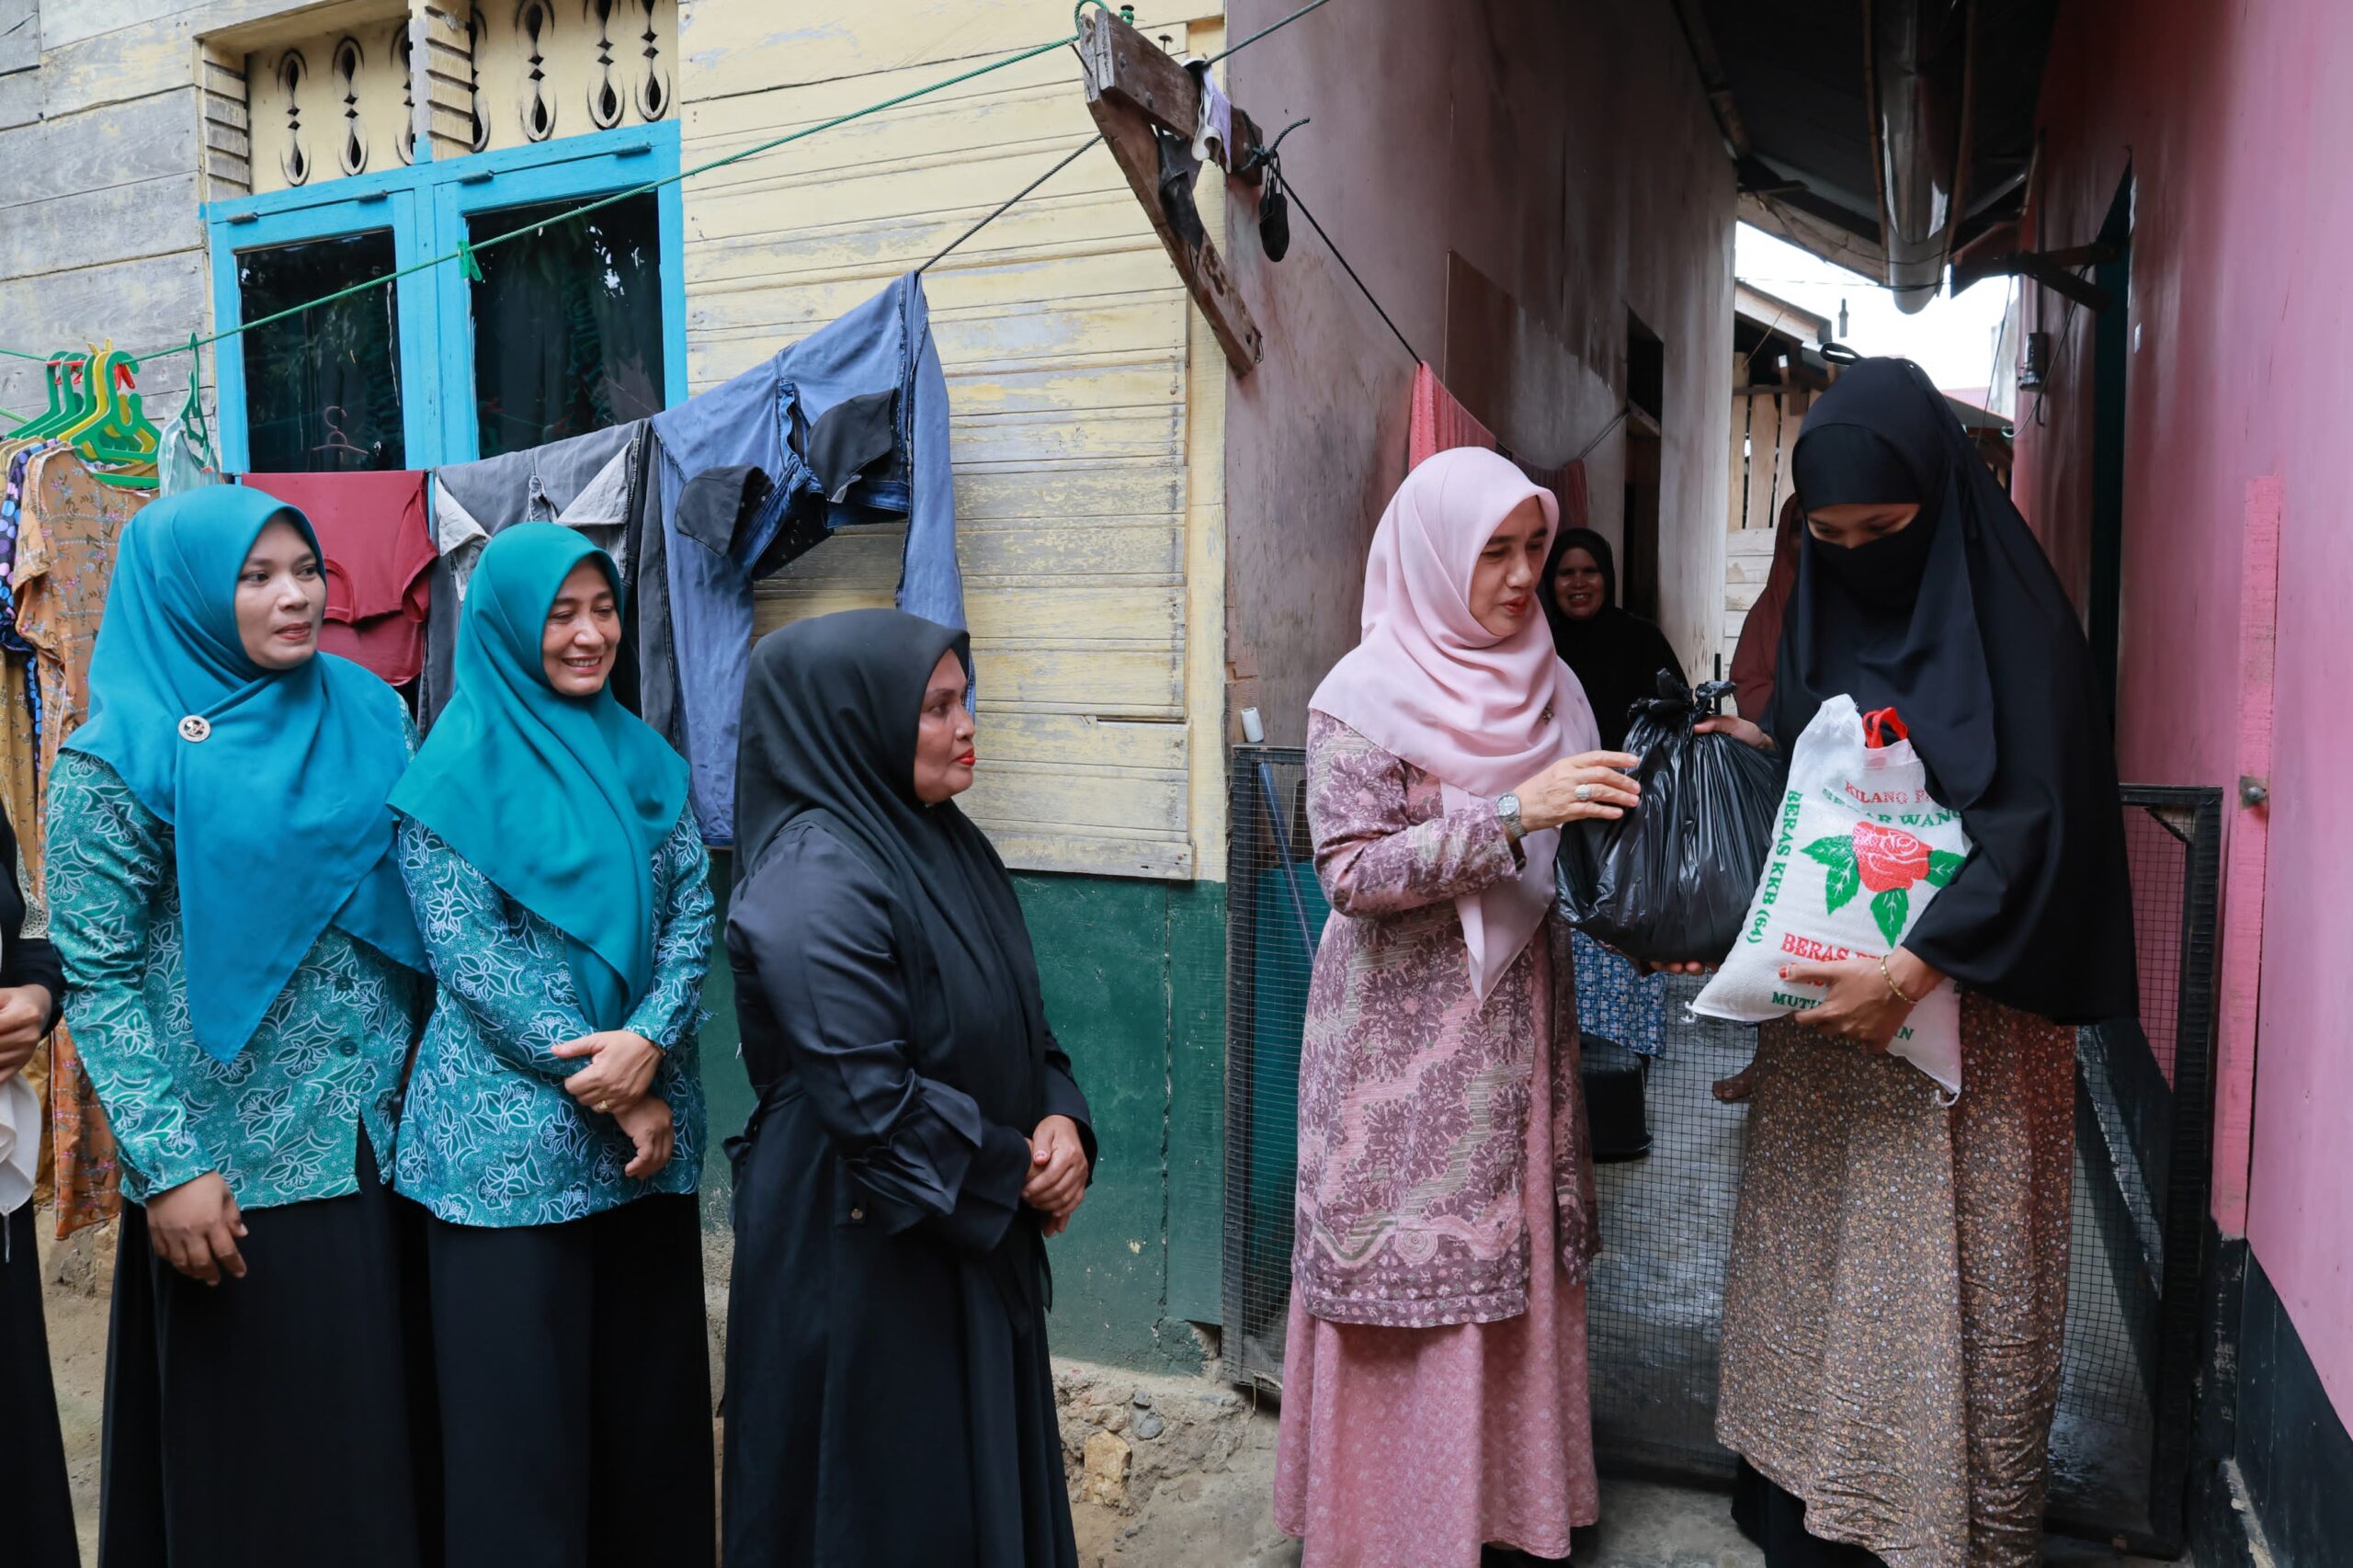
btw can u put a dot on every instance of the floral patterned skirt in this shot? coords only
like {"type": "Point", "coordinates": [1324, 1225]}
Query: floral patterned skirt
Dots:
{"type": "Point", "coordinates": [1410, 1447]}
{"type": "Point", "coordinates": [1897, 1290]}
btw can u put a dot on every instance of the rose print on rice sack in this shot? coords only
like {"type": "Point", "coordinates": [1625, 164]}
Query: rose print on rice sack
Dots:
{"type": "Point", "coordinates": [1887, 862]}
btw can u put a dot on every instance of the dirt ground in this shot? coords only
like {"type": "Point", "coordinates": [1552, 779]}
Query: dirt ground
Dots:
{"type": "Point", "coordinates": [1164, 1473]}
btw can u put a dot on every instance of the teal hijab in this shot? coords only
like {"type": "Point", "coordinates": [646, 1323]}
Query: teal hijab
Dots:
{"type": "Point", "coordinates": [274, 782]}
{"type": "Point", "coordinates": [561, 801]}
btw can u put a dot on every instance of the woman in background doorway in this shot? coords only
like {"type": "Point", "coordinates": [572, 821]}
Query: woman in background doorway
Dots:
{"type": "Point", "coordinates": [1616, 655]}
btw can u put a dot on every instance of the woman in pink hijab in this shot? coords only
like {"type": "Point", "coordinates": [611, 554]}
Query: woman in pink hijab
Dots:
{"type": "Point", "coordinates": [1434, 1394]}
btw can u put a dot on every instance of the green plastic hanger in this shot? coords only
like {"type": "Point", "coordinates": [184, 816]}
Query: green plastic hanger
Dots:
{"type": "Point", "coordinates": [117, 430]}
{"type": "Point", "coordinates": [191, 417]}
{"type": "Point", "coordinates": [68, 401]}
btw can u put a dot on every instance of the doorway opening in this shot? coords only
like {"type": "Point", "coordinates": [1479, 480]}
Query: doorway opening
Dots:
{"type": "Point", "coordinates": [1645, 410]}
{"type": "Point", "coordinates": [2111, 362]}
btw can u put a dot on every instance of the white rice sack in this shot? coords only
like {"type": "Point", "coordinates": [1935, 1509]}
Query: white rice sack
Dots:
{"type": "Point", "coordinates": [1859, 849]}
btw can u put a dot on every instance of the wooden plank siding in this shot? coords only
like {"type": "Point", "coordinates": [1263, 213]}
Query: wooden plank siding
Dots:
{"type": "Point", "coordinates": [1087, 400]}
{"type": "Point", "coordinates": [1765, 427]}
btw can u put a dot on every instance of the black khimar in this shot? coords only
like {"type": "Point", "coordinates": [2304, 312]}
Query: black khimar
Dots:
{"type": "Point", "coordinates": [1617, 655]}
{"type": "Point", "coordinates": [1959, 624]}
{"type": "Point", "coordinates": [830, 711]}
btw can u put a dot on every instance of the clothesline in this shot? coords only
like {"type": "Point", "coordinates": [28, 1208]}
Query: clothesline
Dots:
{"type": "Point", "coordinates": [467, 251]}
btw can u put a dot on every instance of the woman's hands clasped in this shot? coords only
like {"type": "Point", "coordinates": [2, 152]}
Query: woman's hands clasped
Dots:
{"type": "Point", "coordinates": [1057, 1182]}
{"type": "Point", "coordinates": [621, 1073]}
{"type": "Point", "coordinates": [1552, 798]}
{"type": "Point", "coordinates": [617, 1084]}
{"type": "Point", "coordinates": [195, 1227]}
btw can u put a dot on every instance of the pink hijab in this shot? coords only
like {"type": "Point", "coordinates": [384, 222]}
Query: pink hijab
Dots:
{"type": "Point", "coordinates": [1432, 685]}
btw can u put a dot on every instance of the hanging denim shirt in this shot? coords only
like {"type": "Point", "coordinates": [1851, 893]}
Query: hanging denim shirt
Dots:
{"type": "Point", "coordinates": [848, 426]}
{"type": "Point", "coordinates": [489, 1137]}
{"type": "Point", "coordinates": [279, 1119]}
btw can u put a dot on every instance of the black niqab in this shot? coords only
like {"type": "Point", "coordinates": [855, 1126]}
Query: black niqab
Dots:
{"type": "Point", "coordinates": [1958, 623]}
{"type": "Point", "coordinates": [831, 707]}
{"type": "Point", "coordinates": [1616, 655]}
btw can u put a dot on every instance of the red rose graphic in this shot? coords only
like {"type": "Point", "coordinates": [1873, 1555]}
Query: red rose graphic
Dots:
{"type": "Point", "coordinates": [1889, 858]}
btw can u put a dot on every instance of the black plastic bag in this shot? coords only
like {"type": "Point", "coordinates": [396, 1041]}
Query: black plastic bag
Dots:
{"type": "Point", "coordinates": [1671, 881]}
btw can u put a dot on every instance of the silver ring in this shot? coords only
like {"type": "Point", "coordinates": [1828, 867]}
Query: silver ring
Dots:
{"type": "Point", "coordinates": [1584, 792]}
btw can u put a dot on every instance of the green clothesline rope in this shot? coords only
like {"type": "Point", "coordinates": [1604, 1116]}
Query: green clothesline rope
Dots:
{"type": "Point", "coordinates": [467, 251]}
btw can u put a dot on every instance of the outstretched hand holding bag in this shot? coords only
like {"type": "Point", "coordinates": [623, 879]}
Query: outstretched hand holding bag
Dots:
{"type": "Point", "coordinates": [1670, 882]}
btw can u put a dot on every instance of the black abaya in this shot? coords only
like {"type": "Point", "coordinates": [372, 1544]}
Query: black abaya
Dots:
{"type": "Point", "coordinates": [268, 1422]}
{"type": "Point", "coordinates": [888, 1305]}
{"type": "Point", "coordinates": [853, 1322]}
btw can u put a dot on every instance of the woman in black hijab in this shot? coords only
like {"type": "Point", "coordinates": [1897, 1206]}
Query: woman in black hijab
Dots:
{"type": "Point", "coordinates": [1616, 655]}
{"type": "Point", "coordinates": [918, 1132]}
{"type": "Point", "coordinates": [1896, 1294]}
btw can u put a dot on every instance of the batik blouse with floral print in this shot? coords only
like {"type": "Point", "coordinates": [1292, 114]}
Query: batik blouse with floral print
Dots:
{"type": "Point", "coordinates": [490, 1137]}
{"type": "Point", "coordinates": [1413, 1094]}
{"type": "Point", "coordinates": [279, 1119]}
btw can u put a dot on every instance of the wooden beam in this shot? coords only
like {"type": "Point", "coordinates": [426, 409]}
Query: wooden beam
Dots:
{"type": "Point", "coordinates": [1133, 89]}
{"type": "Point", "coordinates": [1130, 68]}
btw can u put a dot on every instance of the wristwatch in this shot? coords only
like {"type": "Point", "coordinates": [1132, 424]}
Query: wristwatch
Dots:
{"type": "Point", "coordinates": [1507, 810]}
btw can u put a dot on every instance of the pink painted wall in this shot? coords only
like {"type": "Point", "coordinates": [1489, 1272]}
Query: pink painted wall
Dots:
{"type": "Point", "coordinates": [2236, 123]}
{"type": "Point", "coordinates": [1567, 154]}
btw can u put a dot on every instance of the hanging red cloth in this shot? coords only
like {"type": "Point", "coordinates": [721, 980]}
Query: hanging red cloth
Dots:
{"type": "Point", "coordinates": [1439, 423]}
{"type": "Point", "coordinates": [373, 531]}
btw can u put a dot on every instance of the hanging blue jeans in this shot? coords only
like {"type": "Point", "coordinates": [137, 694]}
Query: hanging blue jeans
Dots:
{"type": "Point", "coordinates": [849, 425]}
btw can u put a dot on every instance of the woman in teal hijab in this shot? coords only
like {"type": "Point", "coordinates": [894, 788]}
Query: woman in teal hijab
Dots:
{"type": "Point", "coordinates": [243, 975]}
{"type": "Point", "coordinates": [554, 1124]}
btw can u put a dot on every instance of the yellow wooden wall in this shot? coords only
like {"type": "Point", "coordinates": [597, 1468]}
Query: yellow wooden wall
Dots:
{"type": "Point", "coordinates": [1088, 399]}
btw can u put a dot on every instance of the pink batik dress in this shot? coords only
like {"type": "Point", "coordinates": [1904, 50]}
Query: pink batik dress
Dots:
{"type": "Point", "coordinates": [1433, 1387]}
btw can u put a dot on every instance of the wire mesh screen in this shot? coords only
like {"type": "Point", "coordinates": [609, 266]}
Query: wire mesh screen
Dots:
{"type": "Point", "coordinates": [1655, 1310]}
{"type": "Point", "coordinates": [1275, 913]}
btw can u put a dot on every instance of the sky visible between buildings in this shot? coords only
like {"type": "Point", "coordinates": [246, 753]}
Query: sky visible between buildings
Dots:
{"type": "Point", "coordinates": [1954, 338]}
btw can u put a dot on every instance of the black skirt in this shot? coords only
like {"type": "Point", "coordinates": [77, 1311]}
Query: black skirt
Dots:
{"type": "Point", "coordinates": [40, 1513]}
{"type": "Point", "coordinates": [273, 1421]}
{"type": "Point", "coordinates": [574, 1373]}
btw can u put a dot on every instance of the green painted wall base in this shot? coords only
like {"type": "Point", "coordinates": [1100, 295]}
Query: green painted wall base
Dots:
{"type": "Point", "coordinates": [1134, 976]}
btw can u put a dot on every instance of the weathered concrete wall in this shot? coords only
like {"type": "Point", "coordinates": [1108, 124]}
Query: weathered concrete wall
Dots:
{"type": "Point", "coordinates": [2234, 121]}
{"type": "Point", "coordinates": [1566, 155]}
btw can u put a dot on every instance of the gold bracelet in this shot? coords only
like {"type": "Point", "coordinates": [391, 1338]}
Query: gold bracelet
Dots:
{"type": "Point", "coordinates": [1892, 989]}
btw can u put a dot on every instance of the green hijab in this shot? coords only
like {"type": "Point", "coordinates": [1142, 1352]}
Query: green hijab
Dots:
{"type": "Point", "coordinates": [561, 801]}
{"type": "Point", "coordinates": [274, 781]}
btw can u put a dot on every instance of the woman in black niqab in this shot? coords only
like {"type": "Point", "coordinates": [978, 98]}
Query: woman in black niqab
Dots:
{"type": "Point", "coordinates": [889, 1277]}
{"type": "Point", "coordinates": [1958, 623]}
{"type": "Point", "coordinates": [1891, 1390]}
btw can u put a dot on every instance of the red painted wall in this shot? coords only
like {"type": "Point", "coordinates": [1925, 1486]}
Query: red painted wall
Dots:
{"type": "Point", "coordinates": [2236, 120]}
{"type": "Point", "coordinates": [1566, 153]}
